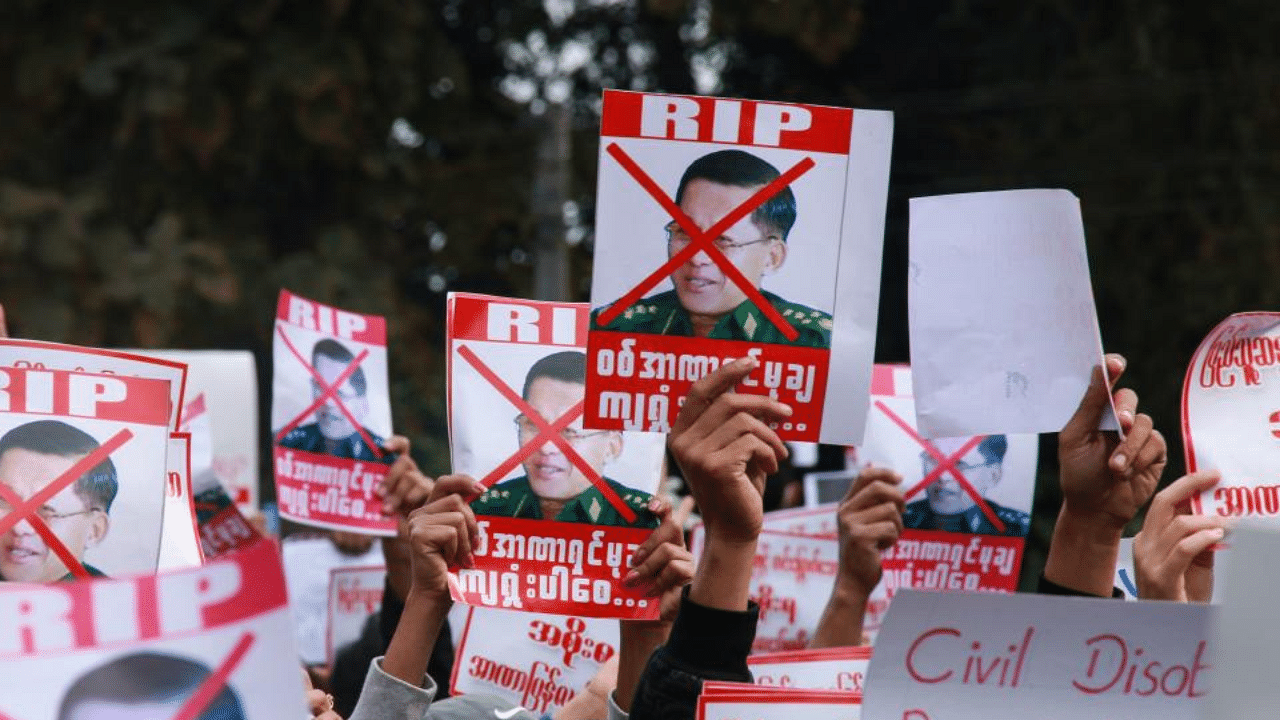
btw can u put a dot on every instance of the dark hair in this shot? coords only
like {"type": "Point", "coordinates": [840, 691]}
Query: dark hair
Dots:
{"type": "Point", "coordinates": [149, 677]}
{"type": "Point", "coordinates": [992, 448]}
{"type": "Point", "coordinates": [742, 169]}
{"type": "Point", "coordinates": [338, 352]}
{"type": "Point", "coordinates": [53, 437]}
{"type": "Point", "coordinates": [567, 366]}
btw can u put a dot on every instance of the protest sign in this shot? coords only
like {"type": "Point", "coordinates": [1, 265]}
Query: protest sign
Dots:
{"type": "Point", "coordinates": [536, 660]}
{"type": "Point", "coordinates": [330, 413]}
{"type": "Point", "coordinates": [740, 701]}
{"type": "Point", "coordinates": [968, 499]}
{"type": "Point", "coordinates": [990, 272]}
{"type": "Point", "coordinates": [974, 656]}
{"type": "Point", "coordinates": [80, 454]}
{"type": "Point", "coordinates": [1246, 645]}
{"type": "Point", "coordinates": [308, 563]}
{"type": "Point", "coordinates": [791, 580]}
{"type": "Point", "coordinates": [222, 393]}
{"type": "Point", "coordinates": [838, 668]}
{"type": "Point", "coordinates": [213, 639]}
{"type": "Point", "coordinates": [355, 593]}
{"type": "Point", "coordinates": [565, 507]}
{"type": "Point", "coordinates": [40, 355]}
{"type": "Point", "coordinates": [223, 528]}
{"type": "Point", "coordinates": [179, 536]}
{"type": "Point", "coordinates": [1231, 416]}
{"type": "Point", "coordinates": [817, 521]}
{"type": "Point", "coordinates": [732, 228]}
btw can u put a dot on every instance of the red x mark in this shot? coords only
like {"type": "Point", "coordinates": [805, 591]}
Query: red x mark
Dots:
{"type": "Point", "coordinates": [330, 391]}
{"type": "Point", "coordinates": [28, 509]}
{"type": "Point", "coordinates": [946, 463]}
{"type": "Point", "coordinates": [213, 684]}
{"type": "Point", "coordinates": [547, 432]}
{"type": "Point", "coordinates": [704, 240]}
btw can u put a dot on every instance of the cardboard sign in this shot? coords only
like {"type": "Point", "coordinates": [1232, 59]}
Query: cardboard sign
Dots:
{"type": "Point", "coordinates": [791, 580]}
{"type": "Point", "coordinates": [990, 272]}
{"type": "Point", "coordinates": [39, 355]}
{"type": "Point", "coordinates": [727, 228]}
{"type": "Point", "coordinates": [179, 535]}
{"type": "Point", "coordinates": [222, 393]}
{"type": "Point", "coordinates": [211, 639]}
{"type": "Point", "coordinates": [565, 506]}
{"type": "Point", "coordinates": [536, 660]}
{"type": "Point", "coordinates": [1231, 416]}
{"type": "Point", "coordinates": [355, 593]}
{"type": "Point", "coordinates": [82, 473]}
{"type": "Point", "coordinates": [839, 668]}
{"type": "Point", "coordinates": [967, 656]}
{"type": "Point", "coordinates": [968, 500]}
{"type": "Point", "coordinates": [330, 413]}
{"type": "Point", "coordinates": [739, 701]}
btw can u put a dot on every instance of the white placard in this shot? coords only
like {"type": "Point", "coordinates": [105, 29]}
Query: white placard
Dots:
{"type": "Point", "coordinates": [838, 668]}
{"type": "Point", "coordinates": [962, 656]}
{"type": "Point", "coordinates": [1004, 334]}
{"type": "Point", "coordinates": [1246, 641]}
{"type": "Point", "coordinates": [355, 593]}
{"type": "Point", "coordinates": [179, 536]}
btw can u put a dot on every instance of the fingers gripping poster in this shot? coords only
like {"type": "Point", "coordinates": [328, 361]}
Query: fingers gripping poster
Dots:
{"type": "Point", "coordinates": [564, 506]}
{"type": "Point", "coordinates": [82, 473]}
{"type": "Point", "coordinates": [330, 414]}
{"type": "Point", "coordinates": [727, 228]}
{"type": "Point", "coordinates": [213, 641]}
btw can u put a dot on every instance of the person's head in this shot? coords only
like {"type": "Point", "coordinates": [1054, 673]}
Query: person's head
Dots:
{"type": "Point", "coordinates": [712, 187]}
{"type": "Point", "coordinates": [981, 466]}
{"type": "Point", "coordinates": [552, 387]}
{"type": "Point", "coordinates": [144, 686]}
{"type": "Point", "coordinates": [31, 457]}
{"type": "Point", "coordinates": [330, 359]}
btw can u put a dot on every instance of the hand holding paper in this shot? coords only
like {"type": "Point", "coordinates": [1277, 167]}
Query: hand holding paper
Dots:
{"type": "Point", "coordinates": [1172, 556]}
{"type": "Point", "coordinates": [441, 535]}
{"type": "Point", "coordinates": [405, 487]}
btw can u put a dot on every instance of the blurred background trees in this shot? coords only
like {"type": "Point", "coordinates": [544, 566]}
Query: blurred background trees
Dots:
{"type": "Point", "coordinates": [166, 167]}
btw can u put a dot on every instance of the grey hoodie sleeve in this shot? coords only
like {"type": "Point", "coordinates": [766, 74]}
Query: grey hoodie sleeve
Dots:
{"type": "Point", "coordinates": [389, 698]}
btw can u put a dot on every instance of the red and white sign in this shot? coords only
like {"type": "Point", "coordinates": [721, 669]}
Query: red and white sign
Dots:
{"type": "Point", "coordinates": [179, 535]}
{"type": "Point", "coordinates": [82, 475]}
{"type": "Point", "coordinates": [975, 484]}
{"type": "Point", "coordinates": [223, 529]}
{"type": "Point", "coordinates": [355, 593]}
{"type": "Point", "coordinates": [330, 413]}
{"type": "Point", "coordinates": [536, 660]}
{"type": "Point", "coordinates": [776, 254]}
{"type": "Point", "coordinates": [740, 701]}
{"type": "Point", "coordinates": [1231, 416]}
{"type": "Point", "coordinates": [791, 580]}
{"type": "Point", "coordinates": [222, 394]}
{"type": "Point", "coordinates": [516, 371]}
{"type": "Point", "coordinates": [214, 638]}
{"type": "Point", "coordinates": [39, 355]}
{"type": "Point", "coordinates": [974, 656]}
{"type": "Point", "coordinates": [839, 668]}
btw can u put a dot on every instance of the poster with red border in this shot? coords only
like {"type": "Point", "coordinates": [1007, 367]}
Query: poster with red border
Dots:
{"type": "Point", "coordinates": [733, 701]}
{"type": "Point", "coordinates": [729, 228]}
{"type": "Point", "coordinates": [564, 506]}
{"type": "Point", "coordinates": [355, 593]}
{"type": "Point", "coordinates": [535, 660]}
{"type": "Point", "coordinates": [791, 580]}
{"type": "Point", "coordinates": [330, 413]}
{"type": "Point", "coordinates": [83, 472]}
{"type": "Point", "coordinates": [179, 534]}
{"type": "Point", "coordinates": [1231, 416]}
{"type": "Point", "coordinates": [213, 639]}
{"type": "Point", "coordinates": [838, 668]}
{"type": "Point", "coordinates": [40, 355]}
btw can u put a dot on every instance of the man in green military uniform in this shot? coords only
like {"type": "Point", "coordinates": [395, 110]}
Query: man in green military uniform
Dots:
{"type": "Point", "coordinates": [552, 486]}
{"type": "Point", "coordinates": [949, 508]}
{"type": "Point", "coordinates": [705, 301]}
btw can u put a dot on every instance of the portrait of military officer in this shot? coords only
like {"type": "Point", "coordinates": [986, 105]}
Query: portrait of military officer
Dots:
{"type": "Point", "coordinates": [333, 433]}
{"type": "Point", "coordinates": [947, 506]}
{"type": "Point", "coordinates": [145, 685]}
{"type": "Point", "coordinates": [552, 486]}
{"type": "Point", "coordinates": [32, 456]}
{"type": "Point", "coordinates": [705, 301]}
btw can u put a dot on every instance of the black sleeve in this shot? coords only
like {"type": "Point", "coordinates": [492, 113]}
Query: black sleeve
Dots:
{"type": "Point", "coordinates": [705, 644]}
{"type": "Point", "coordinates": [1049, 587]}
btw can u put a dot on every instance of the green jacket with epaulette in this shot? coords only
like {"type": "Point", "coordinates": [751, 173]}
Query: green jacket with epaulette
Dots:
{"type": "Point", "coordinates": [515, 499]}
{"type": "Point", "coordinates": [663, 314]}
